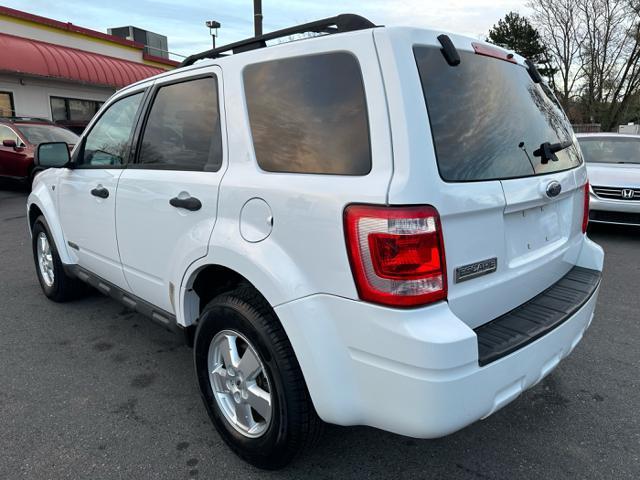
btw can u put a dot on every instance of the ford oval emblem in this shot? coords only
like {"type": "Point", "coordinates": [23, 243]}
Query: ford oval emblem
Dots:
{"type": "Point", "coordinates": [553, 189]}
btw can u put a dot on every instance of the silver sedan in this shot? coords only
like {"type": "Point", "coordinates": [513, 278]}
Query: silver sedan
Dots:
{"type": "Point", "coordinates": [613, 163]}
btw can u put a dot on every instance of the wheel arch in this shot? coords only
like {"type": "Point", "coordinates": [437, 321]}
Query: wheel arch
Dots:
{"type": "Point", "coordinates": [203, 283]}
{"type": "Point", "coordinates": [269, 271]}
{"type": "Point", "coordinates": [39, 204]}
{"type": "Point", "coordinates": [34, 213]}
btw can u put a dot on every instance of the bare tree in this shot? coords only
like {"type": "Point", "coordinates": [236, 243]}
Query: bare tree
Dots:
{"type": "Point", "coordinates": [563, 32]}
{"type": "Point", "coordinates": [609, 57]}
{"type": "Point", "coordinates": [595, 45]}
{"type": "Point", "coordinates": [626, 84]}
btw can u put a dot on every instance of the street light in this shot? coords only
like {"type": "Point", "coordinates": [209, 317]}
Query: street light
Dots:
{"type": "Point", "coordinates": [213, 27]}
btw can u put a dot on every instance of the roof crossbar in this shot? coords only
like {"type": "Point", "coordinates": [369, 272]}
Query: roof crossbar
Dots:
{"type": "Point", "coordinates": [347, 22]}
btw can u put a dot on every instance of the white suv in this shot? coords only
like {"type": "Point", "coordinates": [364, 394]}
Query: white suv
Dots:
{"type": "Point", "coordinates": [374, 226]}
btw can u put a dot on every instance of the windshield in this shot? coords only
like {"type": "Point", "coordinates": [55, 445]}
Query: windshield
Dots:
{"type": "Point", "coordinates": [48, 133]}
{"type": "Point", "coordinates": [488, 118]}
{"type": "Point", "coordinates": [610, 150]}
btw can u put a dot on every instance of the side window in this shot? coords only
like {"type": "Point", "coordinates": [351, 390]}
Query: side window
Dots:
{"type": "Point", "coordinates": [108, 141]}
{"type": "Point", "coordinates": [183, 128]}
{"type": "Point", "coordinates": [7, 134]}
{"type": "Point", "coordinates": [309, 115]}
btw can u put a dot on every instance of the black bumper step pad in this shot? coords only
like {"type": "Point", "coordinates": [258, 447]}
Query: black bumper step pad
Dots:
{"type": "Point", "coordinates": [538, 316]}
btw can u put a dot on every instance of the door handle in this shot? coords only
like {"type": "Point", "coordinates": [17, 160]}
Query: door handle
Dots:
{"type": "Point", "coordinates": [100, 192]}
{"type": "Point", "coordinates": [189, 203]}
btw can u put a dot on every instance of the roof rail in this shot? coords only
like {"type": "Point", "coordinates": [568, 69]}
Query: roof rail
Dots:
{"type": "Point", "coordinates": [347, 22]}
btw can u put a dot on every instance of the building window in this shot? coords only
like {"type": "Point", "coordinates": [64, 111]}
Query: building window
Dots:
{"type": "Point", "coordinates": [64, 110]}
{"type": "Point", "coordinates": [7, 109]}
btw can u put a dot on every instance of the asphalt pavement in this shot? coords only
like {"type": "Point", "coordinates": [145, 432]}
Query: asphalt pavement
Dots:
{"type": "Point", "coordinates": [90, 390]}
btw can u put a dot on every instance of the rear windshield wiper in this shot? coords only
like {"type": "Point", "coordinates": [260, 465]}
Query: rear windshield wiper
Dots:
{"type": "Point", "coordinates": [548, 150]}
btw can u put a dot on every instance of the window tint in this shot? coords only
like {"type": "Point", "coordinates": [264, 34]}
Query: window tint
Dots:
{"type": "Point", "coordinates": [183, 128]}
{"type": "Point", "coordinates": [109, 139]}
{"type": "Point", "coordinates": [488, 117]}
{"type": "Point", "coordinates": [309, 115]}
{"type": "Point", "coordinates": [611, 149]}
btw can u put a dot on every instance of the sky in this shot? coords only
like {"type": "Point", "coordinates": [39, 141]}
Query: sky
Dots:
{"type": "Point", "coordinates": [184, 22]}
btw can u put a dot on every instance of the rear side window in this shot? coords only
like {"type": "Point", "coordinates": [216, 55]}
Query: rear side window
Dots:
{"type": "Point", "coordinates": [488, 117]}
{"type": "Point", "coordinates": [183, 128]}
{"type": "Point", "coordinates": [309, 115]}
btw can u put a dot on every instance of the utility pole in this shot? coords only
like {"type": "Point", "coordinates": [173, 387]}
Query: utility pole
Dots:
{"type": "Point", "coordinates": [257, 17]}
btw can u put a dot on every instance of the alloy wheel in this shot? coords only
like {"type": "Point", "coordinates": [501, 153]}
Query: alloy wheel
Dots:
{"type": "Point", "coordinates": [45, 259]}
{"type": "Point", "coordinates": [240, 383]}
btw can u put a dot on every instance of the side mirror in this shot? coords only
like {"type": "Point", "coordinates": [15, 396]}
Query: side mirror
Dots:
{"type": "Point", "coordinates": [53, 154]}
{"type": "Point", "coordinates": [9, 143]}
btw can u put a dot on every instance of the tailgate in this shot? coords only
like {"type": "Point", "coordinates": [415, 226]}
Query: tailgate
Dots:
{"type": "Point", "coordinates": [509, 184]}
{"type": "Point", "coordinates": [519, 249]}
{"type": "Point", "coordinates": [512, 245]}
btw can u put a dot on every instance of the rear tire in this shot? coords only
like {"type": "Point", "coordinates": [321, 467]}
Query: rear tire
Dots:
{"type": "Point", "coordinates": [55, 283]}
{"type": "Point", "coordinates": [267, 437]}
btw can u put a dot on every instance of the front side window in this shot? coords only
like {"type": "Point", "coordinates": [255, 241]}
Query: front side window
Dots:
{"type": "Point", "coordinates": [7, 134]}
{"type": "Point", "coordinates": [107, 144]}
{"type": "Point", "coordinates": [183, 129]}
{"type": "Point", "coordinates": [309, 115]}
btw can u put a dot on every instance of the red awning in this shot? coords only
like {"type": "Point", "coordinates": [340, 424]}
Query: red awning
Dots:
{"type": "Point", "coordinates": [32, 57]}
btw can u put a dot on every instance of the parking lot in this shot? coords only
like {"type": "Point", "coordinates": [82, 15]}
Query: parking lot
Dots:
{"type": "Point", "coordinates": [91, 390]}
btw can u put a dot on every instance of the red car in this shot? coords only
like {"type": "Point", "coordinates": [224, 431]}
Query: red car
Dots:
{"type": "Point", "coordinates": [20, 136]}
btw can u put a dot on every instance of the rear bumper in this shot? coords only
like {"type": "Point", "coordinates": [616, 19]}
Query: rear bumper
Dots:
{"type": "Point", "coordinates": [537, 317]}
{"type": "Point", "coordinates": [416, 372]}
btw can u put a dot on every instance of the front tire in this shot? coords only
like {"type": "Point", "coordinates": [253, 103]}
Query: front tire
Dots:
{"type": "Point", "coordinates": [55, 283]}
{"type": "Point", "coordinates": [251, 382]}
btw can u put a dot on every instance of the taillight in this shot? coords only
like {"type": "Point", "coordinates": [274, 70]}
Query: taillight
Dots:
{"type": "Point", "coordinates": [585, 211]}
{"type": "Point", "coordinates": [396, 254]}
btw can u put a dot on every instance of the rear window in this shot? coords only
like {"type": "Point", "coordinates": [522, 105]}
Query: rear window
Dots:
{"type": "Point", "coordinates": [309, 115]}
{"type": "Point", "coordinates": [611, 150]}
{"type": "Point", "coordinates": [488, 117]}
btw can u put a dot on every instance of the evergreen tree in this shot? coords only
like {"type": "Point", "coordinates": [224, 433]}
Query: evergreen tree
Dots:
{"type": "Point", "coordinates": [514, 32]}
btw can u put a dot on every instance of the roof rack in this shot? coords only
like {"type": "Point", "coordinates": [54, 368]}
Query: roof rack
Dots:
{"type": "Point", "coordinates": [347, 22]}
